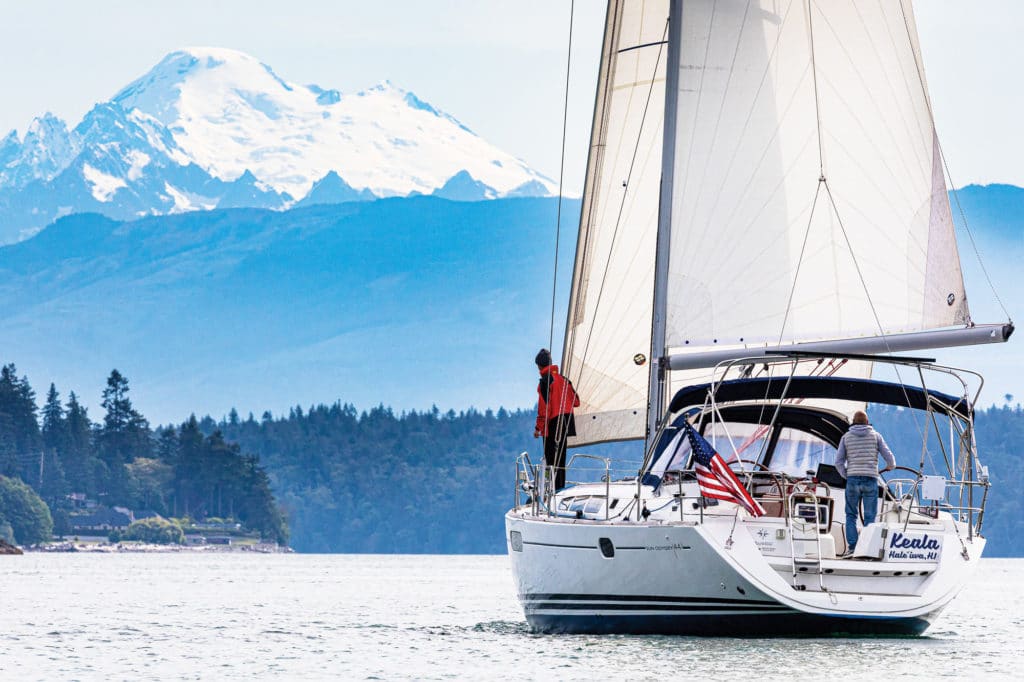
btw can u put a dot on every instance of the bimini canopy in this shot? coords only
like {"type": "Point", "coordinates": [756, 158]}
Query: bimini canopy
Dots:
{"type": "Point", "coordinates": [832, 388]}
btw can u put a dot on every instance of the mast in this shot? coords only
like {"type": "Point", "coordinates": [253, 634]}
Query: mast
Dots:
{"type": "Point", "coordinates": [659, 365]}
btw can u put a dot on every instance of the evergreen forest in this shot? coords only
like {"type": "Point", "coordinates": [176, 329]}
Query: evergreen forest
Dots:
{"type": "Point", "coordinates": [120, 461]}
{"type": "Point", "coordinates": [432, 482]}
{"type": "Point", "coordinates": [335, 479]}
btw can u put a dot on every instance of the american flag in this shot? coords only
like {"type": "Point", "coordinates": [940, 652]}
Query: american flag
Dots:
{"type": "Point", "coordinates": [715, 477]}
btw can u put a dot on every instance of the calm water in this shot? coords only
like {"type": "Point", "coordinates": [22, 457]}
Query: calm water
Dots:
{"type": "Point", "coordinates": [235, 616]}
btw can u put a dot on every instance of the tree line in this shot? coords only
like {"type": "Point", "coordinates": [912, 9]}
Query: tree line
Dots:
{"type": "Point", "coordinates": [433, 482]}
{"type": "Point", "coordinates": [174, 471]}
{"type": "Point", "coordinates": [380, 481]}
{"type": "Point", "coordinates": [358, 481]}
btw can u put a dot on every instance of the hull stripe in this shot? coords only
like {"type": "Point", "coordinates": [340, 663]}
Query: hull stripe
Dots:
{"type": "Point", "coordinates": [679, 608]}
{"type": "Point", "coordinates": [552, 544]}
{"type": "Point", "coordinates": [647, 598]}
{"type": "Point", "coordinates": [791, 624]}
{"type": "Point", "coordinates": [593, 547]}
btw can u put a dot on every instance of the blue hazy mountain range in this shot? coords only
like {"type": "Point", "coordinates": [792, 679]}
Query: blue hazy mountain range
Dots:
{"type": "Point", "coordinates": [403, 301]}
{"type": "Point", "coordinates": [407, 302]}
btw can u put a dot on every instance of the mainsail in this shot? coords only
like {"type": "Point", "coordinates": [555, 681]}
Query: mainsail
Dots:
{"type": "Point", "coordinates": [805, 194]}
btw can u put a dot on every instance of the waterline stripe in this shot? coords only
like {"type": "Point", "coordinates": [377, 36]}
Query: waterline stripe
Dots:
{"type": "Point", "coordinates": [676, 608]}
{"type": "Point", "coordinates": [646, 598]}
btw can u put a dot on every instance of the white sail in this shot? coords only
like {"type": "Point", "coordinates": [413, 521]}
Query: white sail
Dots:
{"type": "Point", "coordinates": [610, 307]}
{"type": "Point", "coordinates": [808, 200]}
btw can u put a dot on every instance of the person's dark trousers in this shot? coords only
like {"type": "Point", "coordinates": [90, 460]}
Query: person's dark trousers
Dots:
{"type": "Point", "coordinates": [860, 488]}
{"type": "Point", "coordinates": [554, 446]}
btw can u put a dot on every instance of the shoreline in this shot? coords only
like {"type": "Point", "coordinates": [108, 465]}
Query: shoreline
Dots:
{"type": "Point", "coordinates": [70, 546]}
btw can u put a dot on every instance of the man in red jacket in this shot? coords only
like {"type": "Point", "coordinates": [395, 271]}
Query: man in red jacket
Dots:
{"type": "Point", "coordinates": [556, 399]}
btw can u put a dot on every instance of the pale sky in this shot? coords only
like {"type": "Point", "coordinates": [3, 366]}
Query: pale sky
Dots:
{"type": "Point", "coordinates": [499, 67]}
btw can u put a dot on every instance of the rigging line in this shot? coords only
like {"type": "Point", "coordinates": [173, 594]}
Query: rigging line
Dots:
{"type": "Point", "coordinates": [799, 263]}
{"type": "Point", "coordinates": [867, 294]}
{"type": "Point", "coordinates": [945, 166]}
{"type": "Point", "coordinates": [590, 194]}
{"type": "Point", "coordinates": [820, 370]}
{"type": "Point", "coordinates": [970, 234]}
{"type": "Point", "coordinates": [796, 276]}
{"type": "Point", "coordinates": [902, 72]}
{"type": "Point", "coordinates": [869, 90]}
{"type": "Point", "coordinates": [561, 177]}
{"type": "Point", "coordinates": [560, 424]}
{"type": "Point", "coordinates": [622, 203]}
{"type": "Point", "coordinates": [817, 99]}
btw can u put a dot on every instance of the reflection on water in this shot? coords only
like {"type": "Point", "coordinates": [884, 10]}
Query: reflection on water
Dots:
{"type": "Point", "coordinates": [236, 616]}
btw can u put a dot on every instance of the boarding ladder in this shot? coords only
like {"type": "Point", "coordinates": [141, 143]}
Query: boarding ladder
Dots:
{"type": "Point", "coordinates": [806, 516]}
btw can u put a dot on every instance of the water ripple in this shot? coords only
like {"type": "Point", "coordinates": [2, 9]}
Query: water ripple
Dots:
{"type": "Point", "coordinates": [80, 616]}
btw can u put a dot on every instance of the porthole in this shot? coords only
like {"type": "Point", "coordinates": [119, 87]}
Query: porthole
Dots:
{"type": "Point", "coordinates": [515, 539]}
{"type": "Point", "coordinates": [607, 548]}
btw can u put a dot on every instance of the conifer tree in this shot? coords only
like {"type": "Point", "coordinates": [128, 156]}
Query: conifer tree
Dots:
{"type": "Point", "coordinates": [54, 425]}
{"type": "Point", "coordinates": [20, 444]}
{"type": "Point", "coordinates": [77, 457]}
{"type": "Point", "coordinates": [124, 437]}
{"type": "Point", "coordinates": [188, 468]}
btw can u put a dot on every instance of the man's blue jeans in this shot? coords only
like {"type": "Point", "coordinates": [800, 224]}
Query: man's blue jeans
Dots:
{"type": "Point", "coordinates": [858, 489]}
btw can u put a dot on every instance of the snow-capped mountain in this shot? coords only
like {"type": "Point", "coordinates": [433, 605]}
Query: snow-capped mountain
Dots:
{"type": "Point", "coordinates": [212, 127]}
{"type": "Point", "coordinates": [46, 149]}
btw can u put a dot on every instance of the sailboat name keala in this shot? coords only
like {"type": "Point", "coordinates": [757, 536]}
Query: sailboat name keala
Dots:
{"type": "Point", "coordinates": [765, 232]}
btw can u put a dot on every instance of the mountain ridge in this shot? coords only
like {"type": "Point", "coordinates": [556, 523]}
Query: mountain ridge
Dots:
{"type": "Point", "coordinates": [415, 297]}
{"type": "Point", "coordinates": [214, 127]}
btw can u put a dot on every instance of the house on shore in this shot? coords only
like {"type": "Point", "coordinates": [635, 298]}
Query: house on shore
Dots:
{"type": "Point", "coordinates": [100, 520]}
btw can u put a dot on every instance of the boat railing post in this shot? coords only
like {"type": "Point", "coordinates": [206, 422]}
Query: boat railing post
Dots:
{"type": "Point", "coordinates": [981, 509]}
{"type": "Point", "coordinates": [549, 488]}
{"type": "Point", "coordinates": [971, 463]}
{"type": "Point", "coordinates": [700, 505]}
{"type": "Point", "coordinates": [537, 492]}
{"type": "Point", "coordinates": [913, 499]}
{"type": "Point", "coordinates": [515, 487]}
{"type": "Point", "coordinates": [679, 480]}
{"type": "Point", "coordinates": [607, 477]}
{"type": "Point", "coordinates": [638, 503]}
{"type": "Point", "coordinates": [526, 474]}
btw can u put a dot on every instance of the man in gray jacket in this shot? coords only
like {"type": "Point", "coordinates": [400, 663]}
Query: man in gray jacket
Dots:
{"type": "Point", "coordinates": [857, 462]}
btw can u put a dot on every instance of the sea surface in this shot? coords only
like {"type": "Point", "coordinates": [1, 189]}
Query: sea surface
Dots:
{"type": "Point", "coordinates": [385, 617]}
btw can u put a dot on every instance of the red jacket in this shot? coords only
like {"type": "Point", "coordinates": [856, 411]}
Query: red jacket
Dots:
{"type": "Point", "coordinates": [555, 396]}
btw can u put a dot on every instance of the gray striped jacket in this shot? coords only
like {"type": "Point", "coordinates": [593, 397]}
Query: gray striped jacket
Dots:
{"type": "Point", "coordinates": [858, 452]}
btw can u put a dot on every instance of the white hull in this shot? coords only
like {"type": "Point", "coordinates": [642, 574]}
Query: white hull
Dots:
{"type": "Point", "coordinates": [676, 577]}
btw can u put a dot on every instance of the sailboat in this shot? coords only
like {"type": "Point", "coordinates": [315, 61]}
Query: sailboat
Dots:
{"type": "Point", "coordinates": [765, 236]}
